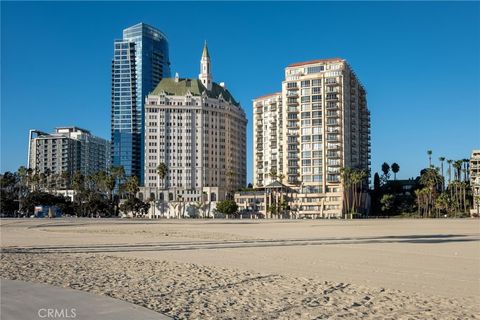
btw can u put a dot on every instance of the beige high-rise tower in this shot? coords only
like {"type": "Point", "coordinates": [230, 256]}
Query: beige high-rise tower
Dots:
{"type": "Point", "coordinates": [323, 125]}
{"type": "Point", "coordinates": [197, 129]}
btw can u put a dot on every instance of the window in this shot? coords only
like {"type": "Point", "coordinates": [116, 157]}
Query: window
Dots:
{"type": "Point", "coordinates": [316, 82]}
{"type": "Point", "coordinates": [315, 69]}
{"type": "Point", "coordinates": [306, 131]}
{"type": "Point", "coordinates": [306, 154]}
{"type": "Point", "coordinates": [305, 92]}
{"type": "Point", "coordinates": [305, 83]}
{"type": "Point", "coordinates": [306, 163]}
{"type": "Point", "coordinates": [305, 99]}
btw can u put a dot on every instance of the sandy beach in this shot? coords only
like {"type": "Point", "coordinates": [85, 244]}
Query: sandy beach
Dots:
{"type": "Point", "coordinates": [250, 269]}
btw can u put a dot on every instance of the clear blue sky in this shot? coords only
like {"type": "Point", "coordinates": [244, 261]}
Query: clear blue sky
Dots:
{"type": "Point", "coordinates": [420, 64]}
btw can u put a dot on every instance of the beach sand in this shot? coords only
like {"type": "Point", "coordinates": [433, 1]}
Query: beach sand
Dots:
{"type": "Point", "coordinates": [250, 269]}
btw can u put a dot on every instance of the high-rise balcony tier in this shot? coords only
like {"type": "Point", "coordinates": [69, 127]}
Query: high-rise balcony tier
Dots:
{"type": "Point", "coordinates": [334, 156]}
{"type": "Point", "coordinates": [333, 123]}
{"type": "Point", "coordinates": [332, 99]}
{"type": "Point", "coordinates": [333, 114]}
{"type": "Point", "coordinates": [292, 94]}
{"type": "Point", "coordinates": [330, 83]}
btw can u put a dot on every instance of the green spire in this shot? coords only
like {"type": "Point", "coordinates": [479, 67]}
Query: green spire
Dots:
{"type": "Point", "coordinates": [205, 51]}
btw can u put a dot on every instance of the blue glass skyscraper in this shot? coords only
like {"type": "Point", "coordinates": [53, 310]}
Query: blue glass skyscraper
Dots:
{"type": "Point", "coordinates": [140, 61]}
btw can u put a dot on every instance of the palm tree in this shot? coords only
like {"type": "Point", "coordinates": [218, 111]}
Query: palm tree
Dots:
{"type": "Point", "coordinates": [346, 177]}
{"type": "Point", "coordinates": [395, 169]}
{"type": "Point", "coordinates": [273, 174]}
{"type": "Point", "coordinates": [162, 171]}
{"type": "Point", "coordinates": [449, 161]}
{"type": "Point", "coordinates": [442, 159]}
{"type": "Point", "coordinates": [430, 178]}
{"type": "Point", "coordinates": [466, 163]}
{"type": "Point", "coordinates": [131, 186]}
{"type": "Point", "coordinates": [429, 152]}
{"type": "Point", "coordinates": [458, 166]}
{"type": "Point", "coordinates": [116, 174]}
{"type": "Point", "coordinates": [385, 170]}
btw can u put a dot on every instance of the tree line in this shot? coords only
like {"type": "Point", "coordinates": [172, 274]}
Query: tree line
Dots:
{"type": "Point", "coordinates": [97, 194]}
{"type": "Point", "coordinates": [435, 193]}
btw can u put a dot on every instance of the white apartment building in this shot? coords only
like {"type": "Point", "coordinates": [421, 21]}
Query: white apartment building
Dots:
{"type": "Point", "coordinates": [197, 129]}
{"type": "Point", "coordinates": [68, 149]}
{"type": "Point", "coordinates": [268, 137]}
{"type": "Point", "coordinates": [324, 126]}
{"type": "Point", "coordinates": [475, 180]}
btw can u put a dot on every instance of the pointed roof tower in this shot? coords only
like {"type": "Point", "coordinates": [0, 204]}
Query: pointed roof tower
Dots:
{"type": "Point", "coordinates": [205, 51]}
{"type": "Point", "coordinates": [205, 75]}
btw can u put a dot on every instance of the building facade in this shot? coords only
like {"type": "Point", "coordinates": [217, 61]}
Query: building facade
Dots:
{"type": "Point", "coordinates": [66, 151]}
{"type": "Point", "coordinates": [140, 61]}
{"type": "Point", "coordinates": [268, 138]}
{"type": "Point", "coordinates": [325, 125]}
{"type": "Point", "coordinates": [475, 181]}
{"type": "Point", "coordinates": [198, 130]}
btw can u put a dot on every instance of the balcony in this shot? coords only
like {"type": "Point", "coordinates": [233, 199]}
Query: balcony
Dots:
{"type": "Point", "coordinates": [335, 155]}
{"type": "Point", "coordinates": [333, 147]}
{"type": "Point", "coordinates": [332, 107]}
{"type": "Point", "coordinates": [333, 123]}
{"type": "Point", "coordinates": [332, 83]}
{"type": "Point", "coordinates": [292, 93]}
{"type": "Point", "coordinates": [333, 130]}
{"type": "Point", "coordinates": [333, 114]}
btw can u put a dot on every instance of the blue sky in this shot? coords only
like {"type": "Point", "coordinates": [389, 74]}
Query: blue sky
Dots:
{"type": "Point", "coordinates": [419, 61]}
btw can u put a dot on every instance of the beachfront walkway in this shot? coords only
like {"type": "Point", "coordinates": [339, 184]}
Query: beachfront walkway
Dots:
{"type": "Point", "coordinates": [28, 301]}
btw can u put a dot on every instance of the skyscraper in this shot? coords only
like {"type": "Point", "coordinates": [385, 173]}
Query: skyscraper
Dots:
{"type": "Point", "coordinates": [197, 130]}
{"type": "Point", "coordinates": [140, 61]}
{"type": "Point", "coordinates": [305, 134]}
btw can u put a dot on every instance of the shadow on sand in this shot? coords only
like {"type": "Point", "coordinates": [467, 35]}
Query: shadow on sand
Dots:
{"type": "Point", "coordinates": [239, 244]}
